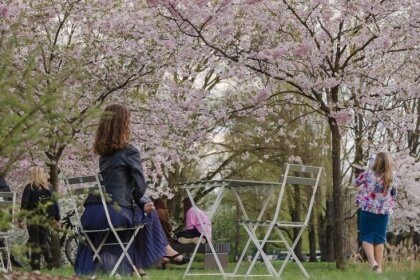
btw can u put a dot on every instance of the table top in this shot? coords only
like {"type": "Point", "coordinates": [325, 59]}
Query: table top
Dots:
{"type": "Point", "coordinates": [232, 183]}
{"type": "Point", "coordinates": [228, 183]}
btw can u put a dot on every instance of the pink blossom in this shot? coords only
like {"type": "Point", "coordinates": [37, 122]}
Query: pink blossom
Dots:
{"type": "Point", "coordinates": [4, 11]}
{"type": "Point", "coordinates": [278, 52]}
{"type": "Point", "coordinates": [342, 117]}
{"type": "Point", "coordinates": [302, 50]}
{"type": "Point", "coordinates": [261, 96]}
{"type": "Point", "coordinates": [169, 44]}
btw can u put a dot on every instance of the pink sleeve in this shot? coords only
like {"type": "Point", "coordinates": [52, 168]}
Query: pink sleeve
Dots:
{"type": "Point", "coordinates": [189, 220]}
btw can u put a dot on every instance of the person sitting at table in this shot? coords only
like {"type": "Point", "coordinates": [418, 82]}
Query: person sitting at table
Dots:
{"type": "Point", "coordinates": [122, 173]}
{"type": "Point", "coordinates": [193, 228]}
{"type": "Point", "coordinates": [4, 187]}
{"type": "Point", "coordinates": [164, 218]}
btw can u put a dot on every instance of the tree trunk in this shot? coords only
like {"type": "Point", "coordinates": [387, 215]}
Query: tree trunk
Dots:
{"type": "Point", "coordinates": [175, 209]}
{"type": "Point", "coordinates": [358, 153]}
{"type": "Point", "coordinates": [174, 205]}
{"type": "Point", "coordinates": [413, 137]}
{"type": "Point", "coordinates": [337, 195]}
{"type": "Point", "coordinates": [416, 238]}
{"type": "Point", "coordinates": [329, 233]}
{"type": "Point", "coordinates": [55, 238]}
{"type": "Point", "coordinates": [322, 238]}
{"type": "Point", "coordinates": [53, 176]}
{"type": "Point", "coordinates": [296, 218]}
{"type": "Point", "coordinates": [312, 238]}
{"type": "Point", "coordinates": [237, 232]}
{"type": "Point", "coordinates": [358, 159]}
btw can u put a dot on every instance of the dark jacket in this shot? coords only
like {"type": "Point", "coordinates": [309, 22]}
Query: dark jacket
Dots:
{"type": "Point", "coordinates": [122, 176]}
{"type": "Point", "coordinates": [4, 187]}
{"type": "Point", "coordinates": [33, 197]}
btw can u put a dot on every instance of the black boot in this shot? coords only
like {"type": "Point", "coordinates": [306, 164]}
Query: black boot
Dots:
{"type": "Point", "coordinates": [35, 261]}
{"type": "Point", "coordinates": [49, 260]}
{"type": "Point", "coordinates": [15, 262]}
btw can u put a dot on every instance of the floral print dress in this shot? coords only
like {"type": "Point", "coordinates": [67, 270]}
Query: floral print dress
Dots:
{"type": "Point", "coordinates": [372, 196]}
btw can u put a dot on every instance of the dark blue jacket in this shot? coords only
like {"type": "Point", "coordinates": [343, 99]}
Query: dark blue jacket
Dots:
{"type": "Point", "coordinates": [122, 176]}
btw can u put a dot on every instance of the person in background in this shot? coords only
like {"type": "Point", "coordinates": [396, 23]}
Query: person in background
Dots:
{"type": "Point", "coordinates": [42, 213]}
{"type": "Point", "coordinates": [193, 228]}
{"type": "Point", "coordinates": [4, 187]}
{"type": "Point", "coordinates": [376, 200]}
{"type": "Point", "coordinates": [164, 218]}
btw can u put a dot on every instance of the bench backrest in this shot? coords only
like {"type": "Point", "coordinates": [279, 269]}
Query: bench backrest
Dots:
{"type": "Point", "coordinates": [77, 186]}
{"type": "Point", "coordinates": [299, 175]}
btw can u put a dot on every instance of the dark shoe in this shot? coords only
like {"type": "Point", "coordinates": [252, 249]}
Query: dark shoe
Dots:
{"type": "Point", "coordinates": [172, 260]}
{"type": "Point", "coordinates": [50, 266]}
{"type": "Point", "coordinates": [15, 262]}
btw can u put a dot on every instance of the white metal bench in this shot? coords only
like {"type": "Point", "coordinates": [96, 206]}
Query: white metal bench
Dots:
{"type": "Point", "coordinates": [92, 184]}
{"type": "Point", "coordinates": [7, 206]}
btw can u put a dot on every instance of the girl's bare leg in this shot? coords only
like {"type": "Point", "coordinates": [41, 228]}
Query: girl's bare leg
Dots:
{"type": "Point", "coordinates": [369, 251]}
{"type": "Point", "coordinates": [379, 255]}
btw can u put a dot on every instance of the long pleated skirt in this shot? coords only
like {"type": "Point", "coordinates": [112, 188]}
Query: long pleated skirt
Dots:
{"type": "Point", "coordinates": [372, 227]}
{"type": "Point", "coordinates": [147, 248]}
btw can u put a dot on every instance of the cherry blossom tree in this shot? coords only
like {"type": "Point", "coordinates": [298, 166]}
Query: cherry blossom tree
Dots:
{"type": "Point", "coordinates": [20, 110]}
{"type": "Point", "coordinates": [319, 50]}
{"type": "Point", "coordinates": [165, 59]}
{"type": "Point", "coordinates": [406, 219]}
{"type": "Point", "coordinates": [86, 52]}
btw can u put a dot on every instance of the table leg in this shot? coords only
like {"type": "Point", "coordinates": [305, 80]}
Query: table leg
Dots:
{"type": "Point", "coordinates": [265, 205]}
{"type": "Point", "coordinates": [211, 214]}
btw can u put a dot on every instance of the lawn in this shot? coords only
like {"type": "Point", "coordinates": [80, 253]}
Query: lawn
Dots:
{"type": "Point", "coordinates": [321, 271]}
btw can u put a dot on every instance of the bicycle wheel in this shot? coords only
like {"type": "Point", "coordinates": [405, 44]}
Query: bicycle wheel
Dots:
{"type": "Point", "coordinates": [71, 248]}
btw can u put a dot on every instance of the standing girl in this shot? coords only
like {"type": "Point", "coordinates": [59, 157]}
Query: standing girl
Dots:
{"type": "Point", "coordinates": [376, 200]}
{"type": "Point", "coordinates": [37, 200]}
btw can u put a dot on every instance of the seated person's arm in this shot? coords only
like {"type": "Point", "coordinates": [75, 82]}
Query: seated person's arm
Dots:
{"type": "Point", "coordinates": [139, 183]}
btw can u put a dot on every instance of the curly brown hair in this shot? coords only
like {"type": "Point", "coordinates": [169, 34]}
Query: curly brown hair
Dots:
{"type": "Point", "coordinates": [113, 130]}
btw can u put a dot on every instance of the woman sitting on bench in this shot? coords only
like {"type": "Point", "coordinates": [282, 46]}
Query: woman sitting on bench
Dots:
{"type": "Point", "coordinates": [193, 228]}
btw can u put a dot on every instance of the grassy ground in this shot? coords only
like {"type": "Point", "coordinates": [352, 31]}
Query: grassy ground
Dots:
{"type": "Point", "coordinates": [317, 271]}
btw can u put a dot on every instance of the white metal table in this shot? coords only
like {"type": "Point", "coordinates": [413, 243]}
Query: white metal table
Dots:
{"type": "Point", "coordinates": [222, 186]}
{"type": "Point", "coordinates": [303, 175]}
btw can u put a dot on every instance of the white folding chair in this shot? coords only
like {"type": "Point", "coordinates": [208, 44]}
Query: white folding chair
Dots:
{"type": "Point", "coordinates": [7, 206]}
{"type": "Point", "coordinates": [304, 176]}
{"type": "Point", "coordinates": [92, 184]}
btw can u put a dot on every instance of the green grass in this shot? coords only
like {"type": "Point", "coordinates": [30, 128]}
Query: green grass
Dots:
{"type": "Point", "coordinates": [317, 271]}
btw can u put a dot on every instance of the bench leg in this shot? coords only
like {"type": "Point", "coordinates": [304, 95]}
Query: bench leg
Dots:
{"type": "Point", "coordinates": [210, 262]}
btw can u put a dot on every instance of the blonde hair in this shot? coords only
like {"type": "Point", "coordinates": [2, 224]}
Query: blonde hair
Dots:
{"type": "Point", "coordinates": [384, 165]}
{"type": "Point", "coordinates": [38, 177]}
